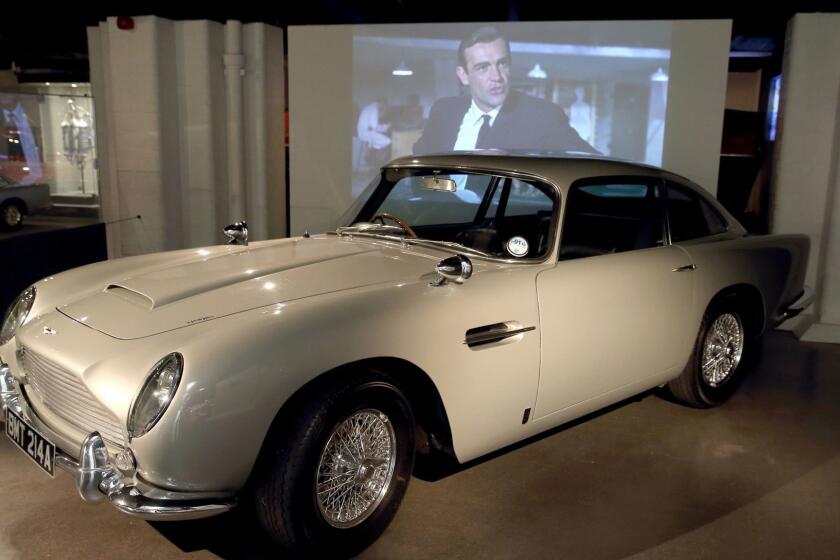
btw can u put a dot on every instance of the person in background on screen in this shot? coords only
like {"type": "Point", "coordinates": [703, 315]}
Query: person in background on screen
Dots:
{"type": "Point", "coordinates": [493, 115]}
{"type": "Point", "coordinates": [372, 130]}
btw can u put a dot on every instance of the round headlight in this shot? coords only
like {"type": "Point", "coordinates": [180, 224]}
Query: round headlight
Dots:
{"type": "Point", "coordinates": [17, 314]}
{"type": "Point", "coordinates": [156, 394]}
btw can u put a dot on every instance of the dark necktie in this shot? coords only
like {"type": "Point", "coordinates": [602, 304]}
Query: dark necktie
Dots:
{"type": "Point", "coordinates": [483, 139]}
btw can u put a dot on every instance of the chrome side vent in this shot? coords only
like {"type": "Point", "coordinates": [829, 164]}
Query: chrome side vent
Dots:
{"type": "Point", "coordinates": [510, 331]}
{"type": "Point", "coordinates": [131, 296]}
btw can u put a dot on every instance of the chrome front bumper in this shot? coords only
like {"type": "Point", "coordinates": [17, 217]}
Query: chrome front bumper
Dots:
{"type": "Point", "coordinates": [97, 479]}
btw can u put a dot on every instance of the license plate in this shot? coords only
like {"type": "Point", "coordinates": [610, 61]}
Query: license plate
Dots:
{"type": "Point", "coordinates": [31, 442]}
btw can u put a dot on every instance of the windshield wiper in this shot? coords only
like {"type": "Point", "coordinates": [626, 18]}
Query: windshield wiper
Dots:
{"type": "Point", "coordinates": [451, 245]}
{"type": "Point", "coordinates": [371, 232]}
{"type": "Point", "coordinates": [364, 227]}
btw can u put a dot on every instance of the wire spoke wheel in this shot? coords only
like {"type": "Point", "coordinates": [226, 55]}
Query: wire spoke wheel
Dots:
{"type": "Point", "coordinates": [12, 215]}
{"type": "Point", "coordinates": [356, 468]}
{"type": "Point", "coordinates": [722, 349]}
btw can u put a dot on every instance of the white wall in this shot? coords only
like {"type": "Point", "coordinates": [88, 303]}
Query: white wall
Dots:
{"type": "Point", "coordinates": [162, 132]}
{"type": "Point", "coordinates": [320, 124]}
{"type": "Point", "coordinates": [696, 97]}
{"type": "Point", "coordinates": [806, 186]}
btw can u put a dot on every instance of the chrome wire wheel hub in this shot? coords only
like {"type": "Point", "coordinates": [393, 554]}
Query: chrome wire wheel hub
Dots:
{"type": "Point", "coordinates": [722, 349]}
{"type": "Point", "coordinates": [356, 468]}
{"type": "Point", "coordinates": [12, 215]}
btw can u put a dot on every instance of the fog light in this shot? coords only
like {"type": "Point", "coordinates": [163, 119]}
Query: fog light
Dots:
{"type": "Point", "coordinates": [126, 462]}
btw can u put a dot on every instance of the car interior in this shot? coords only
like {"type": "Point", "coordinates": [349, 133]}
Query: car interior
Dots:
{"type": "Point", "coordinates": [509, 209]}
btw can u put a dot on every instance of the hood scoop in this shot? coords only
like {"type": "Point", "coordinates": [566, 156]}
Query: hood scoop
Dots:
{"type": "Point", "coordinates": [132, 296]}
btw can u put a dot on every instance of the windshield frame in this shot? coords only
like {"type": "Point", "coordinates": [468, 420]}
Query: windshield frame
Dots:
{"type": "Point", "coordinates": [379, 193]}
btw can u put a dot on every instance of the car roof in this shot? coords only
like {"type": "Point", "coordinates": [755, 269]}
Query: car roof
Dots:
{"type": "Point", "coordinates": [562, 169]}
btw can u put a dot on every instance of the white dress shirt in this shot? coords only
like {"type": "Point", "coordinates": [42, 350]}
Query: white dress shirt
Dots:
{"type": "Point", "coordinates": [473, 119]}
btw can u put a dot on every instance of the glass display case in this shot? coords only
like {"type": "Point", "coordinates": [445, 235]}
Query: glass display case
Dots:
{"type": "Point", "coordinates": [48, 135]}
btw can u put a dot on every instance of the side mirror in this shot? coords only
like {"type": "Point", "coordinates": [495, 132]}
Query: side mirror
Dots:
{"type": "Point", "coordinates": [455, 269]}
{"type": "Point", "coordinates": [436, 183]}
{"type": "Point", "coordinates": [237, 233]}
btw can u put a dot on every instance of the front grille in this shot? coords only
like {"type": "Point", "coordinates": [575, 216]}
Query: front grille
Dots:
{"type": "Point", "coordinates": [66, 396]}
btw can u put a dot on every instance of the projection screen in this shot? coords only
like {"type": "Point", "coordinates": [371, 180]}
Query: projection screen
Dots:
{"type": "Point", "coordinates": [647, 91]}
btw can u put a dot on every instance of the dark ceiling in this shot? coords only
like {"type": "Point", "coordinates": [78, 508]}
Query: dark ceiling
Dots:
{"type": "Point", "coordinates": [52, 43]}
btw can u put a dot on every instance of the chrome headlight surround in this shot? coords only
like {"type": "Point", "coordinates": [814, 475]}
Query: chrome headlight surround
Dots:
{"type": "Point", "coordinates": [157, 392]}
{"type": "Point", "coordinates": [17, 314]}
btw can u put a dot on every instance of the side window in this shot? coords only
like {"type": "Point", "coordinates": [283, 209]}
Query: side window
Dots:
{"type": "Point", "coordinates": [691, 217]}
{"type": "Point", "coordinates": [611, 217]}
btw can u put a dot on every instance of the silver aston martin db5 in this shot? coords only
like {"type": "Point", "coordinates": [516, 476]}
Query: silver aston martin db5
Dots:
{"type": "Point", "coordinates": [466, 302]}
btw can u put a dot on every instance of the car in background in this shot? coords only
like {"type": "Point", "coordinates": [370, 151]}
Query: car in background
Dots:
{"type": "Point", "coordinates": [467, 302]}
{"type": "Point", "coordinates": [17, 201]}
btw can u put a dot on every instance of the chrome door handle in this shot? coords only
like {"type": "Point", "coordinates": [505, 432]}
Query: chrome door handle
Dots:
{"type": "Point", "coordinates": [684, 268]}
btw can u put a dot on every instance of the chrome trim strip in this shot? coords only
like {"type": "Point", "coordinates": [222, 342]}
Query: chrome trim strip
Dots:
{"type": "Point", "coordinates": [156, 510]}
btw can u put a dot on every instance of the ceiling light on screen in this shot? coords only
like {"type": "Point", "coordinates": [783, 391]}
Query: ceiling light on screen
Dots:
{"type": "Point", "coordinates": [537, 72]}
{"type": "Point", "coordinates": [402, 70]}
{"type": "Point", "coordinates": [659, 76]}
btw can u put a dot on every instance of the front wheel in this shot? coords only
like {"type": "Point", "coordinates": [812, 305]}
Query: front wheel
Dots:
{"type": "Point", "coordinates": [332, 480]}
{"type": "Point", "coordinates": [715, 368]}
{"type": "Point", "coordinates": [11, 216]}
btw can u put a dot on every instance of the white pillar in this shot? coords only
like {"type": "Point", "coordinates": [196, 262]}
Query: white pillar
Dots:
{"type": "Point", "coordinates": [806, 186]}
{"type": "Point", "coordinates": [172, 131]}
{"type": "Point", "coordinates": [255, 138]}
{"type": "Point", "coordinates": [234, 70]}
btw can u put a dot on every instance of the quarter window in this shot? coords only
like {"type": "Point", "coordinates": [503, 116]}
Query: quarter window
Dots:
{"type": "Point", "coordinates": [691, 217]}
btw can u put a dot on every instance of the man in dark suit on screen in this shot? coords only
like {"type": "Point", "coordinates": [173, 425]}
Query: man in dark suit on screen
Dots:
{"type": "Point", "coordinates": [493, 115]}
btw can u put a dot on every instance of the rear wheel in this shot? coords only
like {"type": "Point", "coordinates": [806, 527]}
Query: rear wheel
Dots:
{"type": "Point", "coordinates": [332, 480]}
{"type": "Point", "coordinates": [11, 215]}
{"type": "Point", "coordinates": [715, 368]}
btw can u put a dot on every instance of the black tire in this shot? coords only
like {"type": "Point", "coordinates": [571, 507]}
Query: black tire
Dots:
{"type": "Point", "coordinates": [285, 499]}
{"type": "Point", "coordinates": [11, 215]}
{"type": "Point", "coordinates": [700, 390]}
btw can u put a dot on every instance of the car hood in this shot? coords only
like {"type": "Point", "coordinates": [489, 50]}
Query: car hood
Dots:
{"type": "Point", "coordinates": [218, 281]}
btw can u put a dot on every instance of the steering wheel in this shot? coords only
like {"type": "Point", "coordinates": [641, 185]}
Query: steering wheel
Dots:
{"type": "Point", "coordinates": [382, 216]}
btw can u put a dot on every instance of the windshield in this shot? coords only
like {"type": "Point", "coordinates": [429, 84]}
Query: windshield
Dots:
{"type": "Point", "coordinates": [499, 216]}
